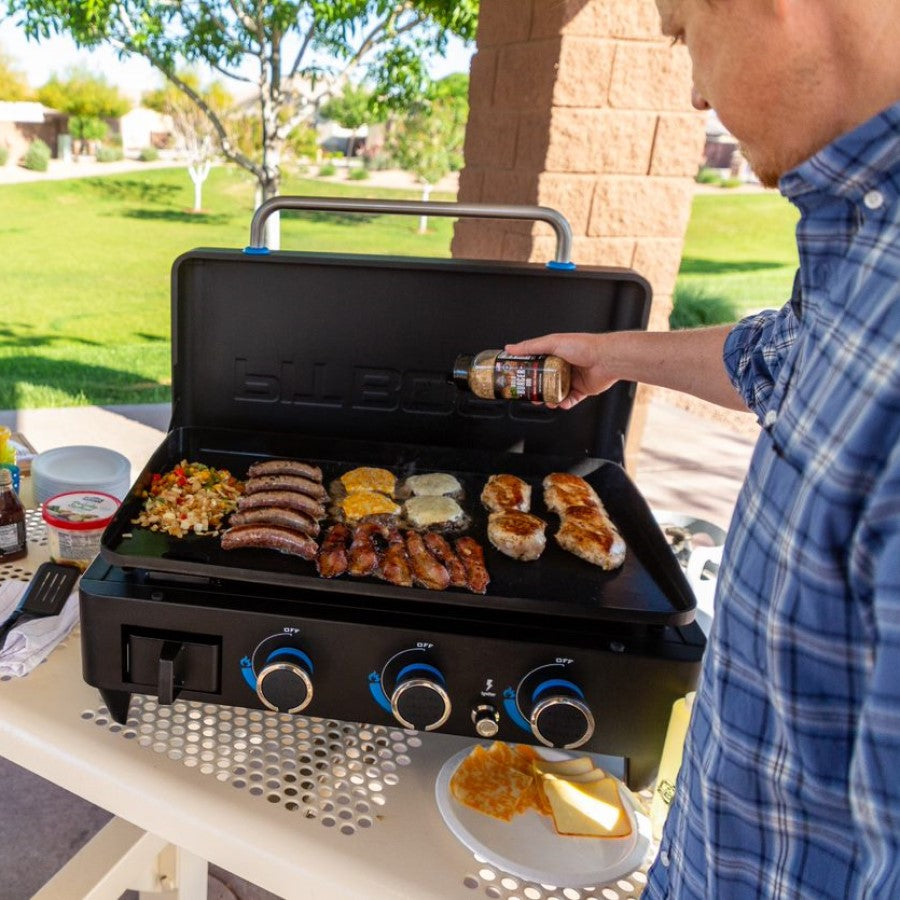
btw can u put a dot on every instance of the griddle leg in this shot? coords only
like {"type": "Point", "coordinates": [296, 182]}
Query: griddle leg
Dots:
{"type": "Point", "coordinates": [117, 702]}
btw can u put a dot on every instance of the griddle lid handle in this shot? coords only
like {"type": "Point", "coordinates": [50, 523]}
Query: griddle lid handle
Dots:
{"type": "Point", "coordinates": [556, 220]}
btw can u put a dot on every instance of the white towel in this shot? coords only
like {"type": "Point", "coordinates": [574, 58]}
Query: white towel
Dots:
{"type": "Point", "coordinates": [31, 643]}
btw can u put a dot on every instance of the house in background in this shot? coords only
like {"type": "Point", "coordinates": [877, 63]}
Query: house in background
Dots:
{"type": "Point", "coordinates": [722, 151]}
{"type": "Point", "coordinates": [141, 127]}
{"type": "Point", "coordinates": [21, 122]}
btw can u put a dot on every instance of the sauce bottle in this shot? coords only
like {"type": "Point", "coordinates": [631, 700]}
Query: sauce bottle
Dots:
{"type": "Point", "coordinates": [12, 521]}
{"type": "Point", "coordinates": [496, 375]}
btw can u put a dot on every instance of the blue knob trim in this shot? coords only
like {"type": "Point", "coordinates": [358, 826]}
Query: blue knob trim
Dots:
{"type": "Point", "coordinates": [509, 704]}
{"type": "Point", "coordinates": [556, 683]}
{"type": "Point", "coordinates": [561, 266]}
{"type": "Point", "coordinates": [378, 694]}
{"type": "Point", "coordinates": [420, 667]}
{"type": "Point", "coordinates": [291, 651]}
{"type": "Point", "coordinates": [248, 673]}
{"type": "Point", "coordinates": [256, 251]}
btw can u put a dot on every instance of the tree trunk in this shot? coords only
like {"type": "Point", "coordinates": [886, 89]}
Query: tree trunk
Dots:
{"type": "Point", "coordinates": [423, 220]}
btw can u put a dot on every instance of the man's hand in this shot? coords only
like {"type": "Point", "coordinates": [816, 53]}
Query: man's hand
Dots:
{"type": "Point", "coordinates": [582, 351]}
{"type": "Point", "coordinates": [688, 361]}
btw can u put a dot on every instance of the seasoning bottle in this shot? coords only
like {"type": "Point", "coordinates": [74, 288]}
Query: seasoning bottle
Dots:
{"type": "Point", "coordinates": [496, 375]}
{"type": "Point", "coordinates": [12, 521]}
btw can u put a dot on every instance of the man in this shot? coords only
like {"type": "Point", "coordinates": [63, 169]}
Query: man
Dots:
{"type": "Point", "coordinates": [790, 785]}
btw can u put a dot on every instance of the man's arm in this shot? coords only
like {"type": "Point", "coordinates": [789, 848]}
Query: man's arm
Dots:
{"type": "Point", "coordinates": [689, 361]}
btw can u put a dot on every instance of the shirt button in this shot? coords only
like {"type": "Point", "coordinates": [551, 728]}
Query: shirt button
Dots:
{"type": "Point", "coordinates": [664, 858]}
{"type": "Point", "coordinates": [873, 200]}
{"type": "Point", "coordinates": [770, 419]}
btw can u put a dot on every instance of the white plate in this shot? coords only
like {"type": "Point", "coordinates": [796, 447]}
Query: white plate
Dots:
{"type": "Point", "coordinates": [529, 847]}
{"type": "Point", "coordinates": [80, 468]}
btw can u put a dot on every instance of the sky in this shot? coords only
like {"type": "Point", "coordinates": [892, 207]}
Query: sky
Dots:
{"type": "Point", "coordinates": [38, 61]}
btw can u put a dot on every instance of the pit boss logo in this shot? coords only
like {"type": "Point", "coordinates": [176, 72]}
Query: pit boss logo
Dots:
{"type": "Point", "coordinates": [375, 390]}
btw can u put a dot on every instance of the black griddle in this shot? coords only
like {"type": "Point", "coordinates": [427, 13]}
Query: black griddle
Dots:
{"type": "Point", "coordinates": [650, 587]}
{"type": "Point", "coordinates": [344, 360]}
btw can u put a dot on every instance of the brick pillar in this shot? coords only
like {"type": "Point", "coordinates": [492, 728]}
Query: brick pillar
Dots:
{"type": "Point", "coordinates": [583, 106]}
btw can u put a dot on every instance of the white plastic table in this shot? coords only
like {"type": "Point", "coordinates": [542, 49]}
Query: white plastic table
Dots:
{"type": "Point", "coordinates": [302, 807]}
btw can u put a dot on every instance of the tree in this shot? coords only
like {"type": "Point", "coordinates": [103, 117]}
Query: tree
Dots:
{"type": "Point", "coordinates": [193, 130]}
{"type": "Point", "coordinates": [428, 141]}
{"type": "Point", "coordinates": [300, 52]}
{"type": "Point", "coordinates": [80, 93]}
{"type": "Point", "coordinates": [351, 109]}
{"type": "Point", "coordinates": [13, 84]}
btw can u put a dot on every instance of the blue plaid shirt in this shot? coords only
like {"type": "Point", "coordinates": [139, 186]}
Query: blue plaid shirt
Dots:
{"type": "Point", "coordinates": [790, 785]}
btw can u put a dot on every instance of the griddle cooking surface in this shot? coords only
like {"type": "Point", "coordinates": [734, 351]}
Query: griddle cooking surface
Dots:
{"type": "Point", "coordinates": [648, 588]}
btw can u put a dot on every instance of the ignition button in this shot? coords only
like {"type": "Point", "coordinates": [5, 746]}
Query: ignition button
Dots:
{"type": "Point", "coordinates": [487, 721]}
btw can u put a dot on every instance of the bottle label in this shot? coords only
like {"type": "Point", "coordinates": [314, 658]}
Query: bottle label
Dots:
{"type": "Point", "coordinates": [519, 377]}
{"type": "Point", "coordinates": [12, 537]}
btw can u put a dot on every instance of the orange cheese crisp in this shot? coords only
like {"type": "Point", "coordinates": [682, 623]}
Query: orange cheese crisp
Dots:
{"type": "Point", "coordinates": [503, 781]}
{"type": "Point", "coordinates": [486, 783]}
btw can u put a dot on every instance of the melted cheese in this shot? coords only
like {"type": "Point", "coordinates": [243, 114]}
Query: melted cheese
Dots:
{"type": "Point", "coordinates": [425, 511]}
{"type": "Point", "coordinates": [367, 503]}
{"type": "Point", "coordinates": [367, 478]}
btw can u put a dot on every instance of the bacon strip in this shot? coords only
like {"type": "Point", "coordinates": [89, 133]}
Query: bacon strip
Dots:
{"type": "Point", "coordinates": [472, 556]}
{"type": "Point", "coordinates": [277, 515]}
{"type": "Point", "coordinates": [395, 564]}
{"type": "Point", "coordinates": [332, 559]}
{"type": "Point", "coordinates": [269, 537]}
{"type": "Point", "coordinates": [285, 467]}
{"type": "Point", "coordinates": [439, 546]}
{"type": "Point", "coordinates": [427, 571]}
{"type": "Point", "coordinates": [364, 555]}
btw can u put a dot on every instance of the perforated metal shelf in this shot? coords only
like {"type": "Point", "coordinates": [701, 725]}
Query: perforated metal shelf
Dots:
{"type": "Point", "coordinates": [339, 774]}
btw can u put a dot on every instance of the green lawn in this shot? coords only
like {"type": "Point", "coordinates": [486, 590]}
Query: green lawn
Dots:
{"type": "Point", "coordinates": [86, 263]}
{"type": "Point", "coordinates": [84, 278]}
{"type": "Point", "coordinates": [741, 246]}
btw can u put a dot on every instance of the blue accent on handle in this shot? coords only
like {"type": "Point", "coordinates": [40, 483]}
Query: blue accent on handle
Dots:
{"type": "Point", "coordinates": [424, 667]}
{"type": "Point", "coordinates": [513, 712]}
{"type": "Point", "coordinates": [256, 251]}
{"type": "Point", "coordinates": [562, 266]}
{"type": "Point", "coordinates": [553, 683]}
{"type": "Point", "coordinates": [291, 651]}
{"type": "Point", "coordinates": [379, 696]}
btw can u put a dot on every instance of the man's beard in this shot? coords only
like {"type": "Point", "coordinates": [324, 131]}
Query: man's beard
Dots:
{"type": "Point", "coordinates": [767, 171]}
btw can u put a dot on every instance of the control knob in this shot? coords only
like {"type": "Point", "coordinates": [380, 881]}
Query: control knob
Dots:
{"type": "Point", "coordinates": [559, 716]}
{"type": "Point", "coordinates": [284, 683]}
{"type": "Point", "coordinates": [419, 699]}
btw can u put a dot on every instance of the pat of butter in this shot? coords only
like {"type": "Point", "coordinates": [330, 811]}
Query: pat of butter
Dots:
{"type": "Point", "coordinates": [587, 808]}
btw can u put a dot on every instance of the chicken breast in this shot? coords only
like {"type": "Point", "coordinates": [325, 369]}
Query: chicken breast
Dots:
{"type": "Point", "coordinates": [517, 534]}
{"type": "Point", "coordinates": [506, 492]}
{"type": "Point", "coordinates": [594, 540]}
{"type": "Point", "coordinates": [562, 490]}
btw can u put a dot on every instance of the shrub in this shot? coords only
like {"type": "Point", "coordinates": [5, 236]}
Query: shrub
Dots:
{"type": "Point", "coordinates": [109, 154]}
{"type": "Point", "coordinates": [327, 170]}
{"type": "Point", "coordinates": [357, 174]}
{"type": "Point", "coordinates": [693, 308]}
{"type": "Point", "coordinates": [708, 176]}
{"type": "Point", "coordinates": [148, 154]}
{"type": "Point", "coordinates": [37, 156]}
{"type": "Point", "coordinates": [4, 155]}
{"type": "Point", "coordinates": [730, 182]}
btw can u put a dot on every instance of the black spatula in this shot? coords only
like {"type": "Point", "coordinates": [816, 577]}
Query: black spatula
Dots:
{"type": "Point", "coordinates": [46, 595]}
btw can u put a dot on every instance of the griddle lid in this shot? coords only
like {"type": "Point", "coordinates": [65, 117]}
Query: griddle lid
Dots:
{"type": "Point", "coordinates": [352, 346]}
